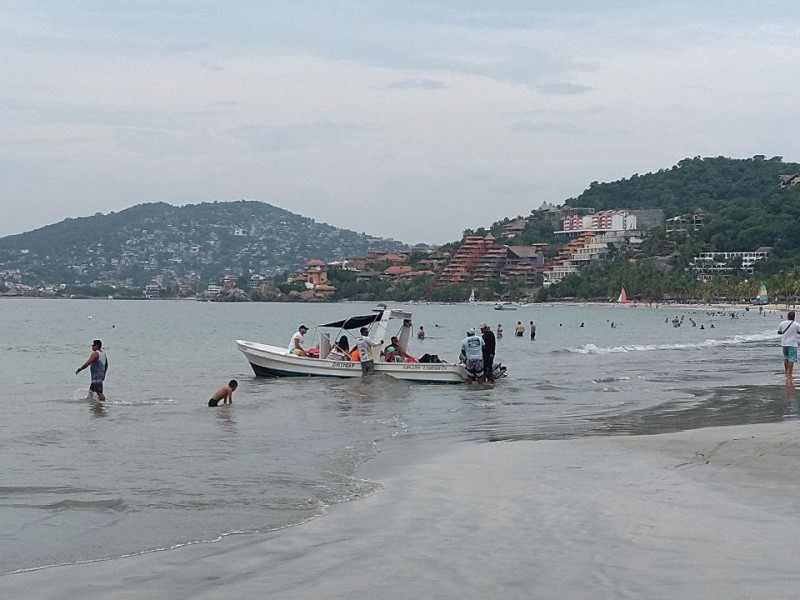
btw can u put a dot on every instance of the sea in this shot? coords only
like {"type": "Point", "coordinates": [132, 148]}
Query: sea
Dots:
{"type": "Point", "coordinates": [154, 469]}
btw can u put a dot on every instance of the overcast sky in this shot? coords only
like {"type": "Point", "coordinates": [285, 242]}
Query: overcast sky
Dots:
{"type": "Point", "coordinates": [404, 119]}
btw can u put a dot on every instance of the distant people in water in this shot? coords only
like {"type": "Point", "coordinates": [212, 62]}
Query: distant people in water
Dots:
{"type": "Point", "coordinates": [519, 330]}
{"type": "Point", "coordinates": [533, 330]}
{"type": "Point", "coordinates": [296, 343]}
{"type": "Point", "coordinates": [581, 323]}
{"type": "Point", "coordinates": [499, 331]}
{"type": "Point", "coordinates": [421, 333]}
{"type": "Point", "coordinates": [98, 366]}
{"type": "Point", "coordinates": [224, 394]}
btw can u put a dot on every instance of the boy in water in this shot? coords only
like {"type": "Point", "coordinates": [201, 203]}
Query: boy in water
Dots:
{"type": "Point", "coordinates": [224, 394]}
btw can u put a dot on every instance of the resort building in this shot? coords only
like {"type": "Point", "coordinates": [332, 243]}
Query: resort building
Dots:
{"type": "Point", "coordinates": [606, 220]}
{"type": "Point", "coordinates": [463, 263]}
{"type": "Point", "coordinates": [685, 223]}
{"type": "Point", "coordinates": [572, 256]}
{"type": "Point", "coordinates": [708, 265]}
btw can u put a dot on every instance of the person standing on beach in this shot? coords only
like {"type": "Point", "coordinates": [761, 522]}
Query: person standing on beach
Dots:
{"type": "Point", "coordinates": [789, 330]}
{"type": "Point", "coordinates": [98, 366]}
{"type": "Point", "coordinates": [365, 346]}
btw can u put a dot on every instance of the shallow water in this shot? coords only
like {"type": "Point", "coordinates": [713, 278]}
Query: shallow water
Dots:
{"type": "Point", "coordinates": [156, 468]}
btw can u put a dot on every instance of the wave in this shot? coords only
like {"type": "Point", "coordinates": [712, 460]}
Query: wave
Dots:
{"type": "Point", "coordinates": [116, 505]}
{"type": "Point", "coordinates": [735, 340]}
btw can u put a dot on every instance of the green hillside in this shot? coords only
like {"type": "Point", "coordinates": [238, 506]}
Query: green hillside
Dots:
{"type": "Point", "coordinates": [204, 241]}
{"type": "Point", "coordinates": [745, 209]}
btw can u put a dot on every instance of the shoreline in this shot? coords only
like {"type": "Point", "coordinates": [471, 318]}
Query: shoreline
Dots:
{"type": "Point", "coordinates": [706, 512]}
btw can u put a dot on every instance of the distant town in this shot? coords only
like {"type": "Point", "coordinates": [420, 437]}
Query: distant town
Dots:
{"type": "Point", "coordinates": [498, 260]}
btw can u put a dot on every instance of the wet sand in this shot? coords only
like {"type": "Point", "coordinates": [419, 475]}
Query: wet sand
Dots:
{"type": "Point", "coordinates": [711, 513]}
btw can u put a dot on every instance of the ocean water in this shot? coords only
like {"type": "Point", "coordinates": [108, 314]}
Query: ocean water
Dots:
{"type": "Point", "coordinates": [155, 468]}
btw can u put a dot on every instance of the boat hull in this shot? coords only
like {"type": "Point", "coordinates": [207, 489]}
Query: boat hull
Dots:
{"type": "Point", "coordinates": [272, 361]}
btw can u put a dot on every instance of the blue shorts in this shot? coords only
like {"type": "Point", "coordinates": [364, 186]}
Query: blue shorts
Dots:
{"type": "Point", "coordinates": [790, 353]}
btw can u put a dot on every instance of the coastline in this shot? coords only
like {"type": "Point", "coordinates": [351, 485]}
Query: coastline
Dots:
{"type": "Point", "coordinates": [707, 513]}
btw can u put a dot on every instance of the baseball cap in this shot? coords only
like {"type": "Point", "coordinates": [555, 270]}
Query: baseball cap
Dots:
{"type": "Point", "coordinates": [471, 331]}
{"type": "Point", "coordinates": [484, 326]}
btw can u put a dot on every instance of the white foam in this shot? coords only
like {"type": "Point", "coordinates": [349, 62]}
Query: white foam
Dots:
{"type": "Point", "coordinates": [709, 343]}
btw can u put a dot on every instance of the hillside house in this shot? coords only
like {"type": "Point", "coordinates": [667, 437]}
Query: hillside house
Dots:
{"type": "Point", "coordinates": [515, 228]}
{"type": "Point", "coordinates": [789, 180]}
{"type": "Point", "coordinates": [685, 223]}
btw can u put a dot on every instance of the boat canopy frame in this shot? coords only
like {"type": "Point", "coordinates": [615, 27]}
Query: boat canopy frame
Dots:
{"type": "Point", "coordinates": [381, 317]}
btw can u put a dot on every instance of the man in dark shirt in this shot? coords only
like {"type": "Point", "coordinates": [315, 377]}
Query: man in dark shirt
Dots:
{"type": "Point", "coordinates": [488, 352]}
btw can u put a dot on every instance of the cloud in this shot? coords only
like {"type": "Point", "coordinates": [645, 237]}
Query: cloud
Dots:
{"type": "Point", "coordinates": [562, 89]}
{"type": "Point", "coordinates": [154, 143]}
{"type": "Point", "coordinates": [417, 83]}
{"type": "Point", "coordinates": [462, 111]}
{"type": "Point", "coordinates": [557, 127]}
{"type": "Point", "coordinates": [281, 138]}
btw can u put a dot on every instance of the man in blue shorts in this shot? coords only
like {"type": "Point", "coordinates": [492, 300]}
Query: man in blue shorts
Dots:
{"type": "Point", "coordinates": [789, 330]}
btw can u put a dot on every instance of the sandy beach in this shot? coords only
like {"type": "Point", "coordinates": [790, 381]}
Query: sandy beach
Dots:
{"type": "Point", "coordinates": [711, 513]}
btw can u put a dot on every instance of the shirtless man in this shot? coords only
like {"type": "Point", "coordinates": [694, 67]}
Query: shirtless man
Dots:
{"type": "Point", "coordinates": [224, 394]}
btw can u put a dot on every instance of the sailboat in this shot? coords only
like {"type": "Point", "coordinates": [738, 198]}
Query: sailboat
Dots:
{"type": "Point", "coordinates": [762, 297]}
{"type": "Point", "coordinates": [472, 297]}
{"type": "Point", "coordinates": [623, 297]}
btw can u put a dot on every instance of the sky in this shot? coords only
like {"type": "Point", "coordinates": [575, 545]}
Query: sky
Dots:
{"type": "Point", "coordinates": [410, 120]}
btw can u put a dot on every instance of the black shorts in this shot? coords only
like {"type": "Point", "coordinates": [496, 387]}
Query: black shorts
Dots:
{"type": "Point", "coordinates": [213, 402]}
{"type": "Point", "coordinates": [96, 387]}
{"type": "Point", "coordinates": [367, 367]}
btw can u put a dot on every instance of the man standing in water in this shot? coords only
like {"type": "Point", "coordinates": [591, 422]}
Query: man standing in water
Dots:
{"type": "Point", "coordinates": [365, 346]}
{"type": "Point", "coordinates": [789, 331]}
{"type": "Point", "coordinates": [472, 355]}
{"type": "Point", "coordinates": [488, 352]}
{"type": "Point", "coordinates": [98, 365]}
{"type": "Point", "coordinates": [533, 330]}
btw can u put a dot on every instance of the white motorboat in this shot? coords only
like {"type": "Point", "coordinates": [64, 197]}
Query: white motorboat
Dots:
{"type": "Point", "coordinates": [276, 361]}
{"type": "Point", "coordinates": [505, 306]}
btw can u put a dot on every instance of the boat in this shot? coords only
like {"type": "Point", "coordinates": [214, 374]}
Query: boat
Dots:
{"type": "Point", "coordinates": [762, 297]}
{"type": "Point", "coordinates": [505, 306]}
{"type": "Point", "coordinates": [383, 323]}
{"type": "Point", "coordinates": [623, 297]}
{"type": "Point", "coordinates": [472, 297]}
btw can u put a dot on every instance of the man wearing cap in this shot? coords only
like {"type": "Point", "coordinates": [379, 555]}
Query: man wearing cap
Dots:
{"type": "Point", "coordinates": [296, 343]}
{"type": "Point", "coordinates": [365, 346]}
{"type": "Point", "coordinates": [472, 355]}
{"type": "Point", "coordinates": [488, 352]}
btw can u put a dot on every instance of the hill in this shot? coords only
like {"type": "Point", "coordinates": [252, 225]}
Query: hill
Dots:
{"type": "Point", "coordinates": [744, 204]}
{"type": "Point", "coordinates": [203, 241]}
